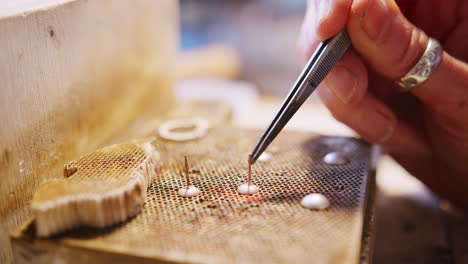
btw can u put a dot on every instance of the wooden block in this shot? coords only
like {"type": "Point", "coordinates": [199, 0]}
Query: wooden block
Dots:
{"type": "Point", "coordinates": [73, 74]}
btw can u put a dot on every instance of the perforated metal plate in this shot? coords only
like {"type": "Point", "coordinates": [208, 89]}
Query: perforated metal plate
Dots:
{"type": "Point", "coordinates": [221, 226]}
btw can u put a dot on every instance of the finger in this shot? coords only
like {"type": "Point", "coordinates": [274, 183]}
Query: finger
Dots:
{"type": "Point", "coordinates": [334, 20]}
{"type": "Point", "coordinates": [391, 45]}
{"type": "Point", "coordinates": [348, 79]}
{"type": "Point", "coordinates": [383, 36]}
{"type": "Point", "coordinates": [457, 41]}
{"type": "Point", "coordinates": [376, 123]}
{"type": "Point", "coordinates": [323, 19]}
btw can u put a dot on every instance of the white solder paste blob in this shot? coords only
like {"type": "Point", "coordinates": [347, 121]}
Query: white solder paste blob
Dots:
{"type": "Point", "coordinates": [335, 158]}
{"type": "Point", "coordinates": [273, 149]}
{"type": "Point", "coordinates": [247, 189]}
{"type": "Point", "coordinates": [315, 201]}
{"type": "Point", "coordinates": [264, 157]}
{"type": "Point", "coordinates": [191, 191]}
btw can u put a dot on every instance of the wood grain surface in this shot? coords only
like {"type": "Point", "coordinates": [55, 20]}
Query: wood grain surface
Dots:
{"type": "Point", "coordinates": [73, 73]}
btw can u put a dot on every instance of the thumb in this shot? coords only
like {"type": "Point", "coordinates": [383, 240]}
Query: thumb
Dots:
{"type": "Point", "coordinates": [383, 36]}
{"type": "Point", "coordinates": [392, 45]}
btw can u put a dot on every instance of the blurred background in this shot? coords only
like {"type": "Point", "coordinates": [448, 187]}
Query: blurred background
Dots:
{"type": "Point", "coordinates": [262, 33]}
{"type": "Point", "coordinates": [243, 52]}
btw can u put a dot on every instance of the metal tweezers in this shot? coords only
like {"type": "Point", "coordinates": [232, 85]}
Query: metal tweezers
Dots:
{"type": "Point", "coordinates": [322, 61]}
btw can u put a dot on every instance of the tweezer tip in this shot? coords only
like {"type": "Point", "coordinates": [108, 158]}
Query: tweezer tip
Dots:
{"type": "Point", "coordinates": [254, 155]}
{"type": "Point", "coordinates": [252, 159]}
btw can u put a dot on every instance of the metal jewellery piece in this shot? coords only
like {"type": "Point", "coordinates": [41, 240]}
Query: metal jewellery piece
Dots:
{"type": "Point", "coordinates": [423, 68]}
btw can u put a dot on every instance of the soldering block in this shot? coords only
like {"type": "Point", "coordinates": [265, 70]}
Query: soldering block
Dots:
{"type": "Point", "coordinates": [222, 226]}
{"type": "Point", "coordinates": [99, 189]}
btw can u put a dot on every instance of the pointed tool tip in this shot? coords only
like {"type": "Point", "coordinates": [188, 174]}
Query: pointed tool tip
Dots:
{"type": "Point", "coordinates": [253, 158]}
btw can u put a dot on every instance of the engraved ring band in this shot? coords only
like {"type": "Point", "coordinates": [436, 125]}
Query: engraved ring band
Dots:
{"type": "Point", "coordinates": [423, 68]}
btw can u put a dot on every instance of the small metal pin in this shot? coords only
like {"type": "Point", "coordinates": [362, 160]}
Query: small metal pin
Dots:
{"type": "Point", "coordinates": [335, 158]}
{"type": "Point", "coordinates": [187, 179]}
{"type": "Point", "coordinates": [188, 190]}
{"type": "Point", "coordinates": [248, 188]}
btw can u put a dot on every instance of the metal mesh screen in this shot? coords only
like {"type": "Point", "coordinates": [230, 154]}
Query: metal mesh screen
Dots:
{"type": "Point", "coordinates": [221, 226]}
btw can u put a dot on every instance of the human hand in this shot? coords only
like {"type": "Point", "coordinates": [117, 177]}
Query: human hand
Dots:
{"type": "Point", "coordinates": [426, 130]}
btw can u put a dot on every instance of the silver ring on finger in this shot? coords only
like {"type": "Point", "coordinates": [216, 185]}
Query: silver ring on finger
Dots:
{"type": "Point", "coordinates": [423, 68]}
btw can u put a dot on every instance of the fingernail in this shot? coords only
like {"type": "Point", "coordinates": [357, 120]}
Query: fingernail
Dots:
{"type": "Point", "coordinates": [342, 82]}
{"type": "Point", "coordinates": [376, 126]}
{"type": "Point", "coordinates": [376, 18]}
